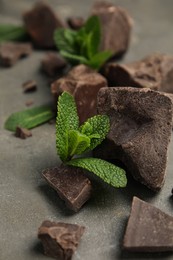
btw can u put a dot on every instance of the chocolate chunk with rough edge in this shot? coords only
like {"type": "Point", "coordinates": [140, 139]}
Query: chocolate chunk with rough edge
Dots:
{"type": "Point", "coordinates": [141, 122]}
{"type": "Point", "coordinates": [75, 22]}
{"type": "Point", "coordinates": [83, 83]}
{"type": "Point", "coordinates": [41, 22]}
{"type": "Point", "coordinates": [29, 86]}
{"type": "Point", "coordinates": [11, 52]}
{"type": "Point", "coordinates": [71, 185]}
{"type": "Point", "coordinates": [22, 133]}
{"type": "Point", "coordinates": [60, 240]}
{"type": "Point", "coordinates": [154, 71]}
{"type": "Point", "coordinates": [116, 27]}
{"type": "Point", "coordinates": [149, 229]}
{"type": "Point", "coordinates": [52, 63]}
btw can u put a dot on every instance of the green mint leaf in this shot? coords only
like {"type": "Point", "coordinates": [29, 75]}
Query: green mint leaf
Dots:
{"type": "Point", "coordinates": [100, 126]}
{"type": "Point", "coordinates": [9, 32]}
{"type": "Point", "coordinates": [74, 59]}
{"type": "Point", "coordinates": [77, 142]}
{"type": "Point", "coordinates": [67, 119]}
{"type": "Point", "coordinates": [98, 60]}
{"type": "Point", "coordinates": [108, 172]}
{"type": "Point", "coordinates": [86, 128]}
{"type": "Point", "coordinates": [65, 40]}
{"type": "Point", "coordinates": [29, 118]}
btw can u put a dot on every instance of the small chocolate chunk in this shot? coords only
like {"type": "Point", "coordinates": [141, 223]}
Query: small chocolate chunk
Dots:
{"type": "Point", "coordinates": [41, 22]}
{"type": "Point", "coordinates": [52, 63]}
{"type": "Point", "coordinates": [60, 240]}
{"type": "Point", "coordinates": [71, 185]}
{"type": "Point", "coordinates": [75, 23]}
{"type": "Point", "coordinates": [29, 103]}
{"type": "Point", "coordinates": [11, 52]}
{"type": "Point", "coordinates": [140, 131]}
{"type": "Point", "coordinates": [29, 86]}
{"type": "Point", "coordinates": [83, 83]}
{"type": "Point", "coordinates": [116, 27]}
{"type": "Point", "coordinates": [154, 71]}
{"type": "Point", "coordinates": [22, 133]}
{"type": "Point", "coordinates": [149, 229]}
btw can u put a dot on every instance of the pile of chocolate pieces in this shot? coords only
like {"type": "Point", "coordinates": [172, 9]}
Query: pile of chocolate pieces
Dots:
{"type": "Point", "coordinates": [137, 97]}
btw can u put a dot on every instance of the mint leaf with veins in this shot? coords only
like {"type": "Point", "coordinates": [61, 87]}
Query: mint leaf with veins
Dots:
{"type": "Point", "coordinates": [77, 142]}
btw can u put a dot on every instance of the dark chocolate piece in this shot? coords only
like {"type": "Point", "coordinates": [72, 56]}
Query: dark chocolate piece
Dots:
{"type": "Point", "coordinates": [60, 240]}
{"type": "Point", "coordinates": [71, 185]}
{"type": "Point", "coordinates": [116, 27]}
{"type": "Point", "coordinates": [75, 23]}
{"type": "Point", "coordinates": [149, 229]}
{"type": "Point", "coordinates": [22, 133]}
{"type": "Point", "coordinates": [154, 71]}
{"type": "Point", "coordinates": [29, 86]}
{"type": "Point", "coordinates": [141, 121]}
{"type": "Point", "coordinates": [52, 63]}
{"type": "Point", "coordinates": [11, 52]}
{"type": "Point", "coordinates": [29, 103]}
{"type": "Point", "coordinates": [41, 22]}
{"type": "Point", "coordinates": [83, 83]}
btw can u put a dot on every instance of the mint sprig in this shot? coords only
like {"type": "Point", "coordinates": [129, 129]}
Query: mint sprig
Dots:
{"type": "Point", "coordinates": [82, 46]}
{"type": "Point", "coordinates": [10, 32]}
{"type": "Point", "coordinates": [72, 139]}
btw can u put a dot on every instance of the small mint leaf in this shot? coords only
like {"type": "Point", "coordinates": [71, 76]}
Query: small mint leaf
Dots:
{"type": "Point", "coordinates": [108, 172]}
{"type": "Point", "coordinates": [77, 142]}
{"type": "Point", "coordinates": [29, 118]}
{"type": "Point", "coordinates": [98, 60]}
{"type": "Point", "coordinates": [86, 128]}
{"type": "Point", "coordinates": [74, 59]}
{"type": "Point", "coordinates": [67, 119]}
{"type": "Point", "coordinates": [64, 40]}
{"type": "Point", "coordinates": [100, 126]}
{"type": "Point", "coordinates": [10, 32]}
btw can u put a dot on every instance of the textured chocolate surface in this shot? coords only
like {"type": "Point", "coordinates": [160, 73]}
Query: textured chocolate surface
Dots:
{"type": "Point", "coordinates": [52, 63]}
{"type": "Point", "coordinates": [116, 26]}
{"type": "Point", "coordinates": [149, 229]}
{"type": "Point", "coordinates": [154, 71]}
{"type": "Point", "coordinates": [60, 240]}
{"type": "Point", "coordinates": [41, 22]}
{"type": "Point", "coordinates": [22, 133]}
{"type": "Point", "coordinates": [141, 121]}
{"type": "Point", "coordinates": [11, 52]}
{"type": "Point", "coordinates": [29, 86]}
{"type": "Point", "coordinates": [71, 185]}
{"type": "Point", "coordinates": [83, 83]}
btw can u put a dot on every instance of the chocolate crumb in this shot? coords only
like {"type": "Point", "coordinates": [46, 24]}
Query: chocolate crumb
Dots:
{"type": "Point", "coordinates": [22, 133]}
{"type": "Point", "coordinates": [29, 103]}
{"type": "Point", "coordinates": [29, 86]}
{"type": "Point", "coordinates": [75, 23]}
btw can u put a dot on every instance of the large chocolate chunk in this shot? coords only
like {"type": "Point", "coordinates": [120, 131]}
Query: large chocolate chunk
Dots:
{"type": "Point", "coordinates": [71, 185]}
{"type": "Point", "coordinates": [149, 229]}
{"type": "Point", "coordinates": [141, 121]}
{"type": "Point", "coordinates": [52, 63]}
{"type": "Point", "coordinates": [115, 25]}
{"type": "Point", "coordinates": [60, 240]}
{"type": "Point", "coordinates": [41, 22]}
{"type": "Point", "coordinates": [11, 52]}
{"type": "Point", "coordinates": [83, 83]}
{"type": "Point", "coordinates": [154, 71]}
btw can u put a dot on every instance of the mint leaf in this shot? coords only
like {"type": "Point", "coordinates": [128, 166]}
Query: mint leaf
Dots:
{"type": "Point", "coordinates": [108, 172]}
{"type": "Point", "coordinates": [86, 128]}
{"type": "Point", "coordinates": [29, 118]}
{"type": "Point", "coordinates": [77, 142]}
{"type": "Point", "coordinates": [65, 40]}
{"type": "Point", "coordinates": [67, 119]}
{"type": "Point", "coordinates": [74, 59]}
{"type": "Point", "coordinates": [10, 32]}
{"type": "Point", "coordinates": [100, 126]}
{"type": "Point", "coordinates": [99, 59]}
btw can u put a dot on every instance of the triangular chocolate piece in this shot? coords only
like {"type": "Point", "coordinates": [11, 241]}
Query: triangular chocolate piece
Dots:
{"type": "Point", "coordinates": [149, 229]}
{"type": "Point", "coordinates": [140, 131]}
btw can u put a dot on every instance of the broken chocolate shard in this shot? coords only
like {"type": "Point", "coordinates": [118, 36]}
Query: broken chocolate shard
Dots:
{"type": "Point", "coordinates": [75, 23]}
{"type": "Point", "coordinates": [22, 133]}
{"type": "Point", "coordinates": [83, 83]}
{"type": "Point", "coordinates": [154, 71]}
{"type": "Point", "coordinates": [29, 86]}
{"type": "Point", "coordinates": [52, 63]}
{"type": "Point", "coordinates": [11, 52]}
{"type": "Point", "coordinates": [71, 185]}
{"type": "Point", "coordinates": [41, 22]}
{"type": "Point", "coordinates": [29, 103]}
{"type": "Point", "coordinates": [60, 240]}
{"type": "Point", "coordinates": [140, 131]}
{"type": "Point", "coordinates": [116, 26]}
{"type": "Point", "coordinates": [149, 229]}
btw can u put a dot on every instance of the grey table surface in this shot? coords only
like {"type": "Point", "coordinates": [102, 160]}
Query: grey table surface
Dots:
{"type": "Point", "coordinates": [25, 198]}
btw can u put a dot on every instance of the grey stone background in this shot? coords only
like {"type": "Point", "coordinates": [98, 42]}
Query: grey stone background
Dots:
{"type": "Point", "coordinates": [25, 198]}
